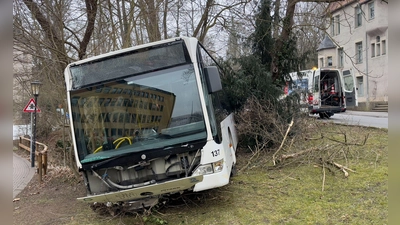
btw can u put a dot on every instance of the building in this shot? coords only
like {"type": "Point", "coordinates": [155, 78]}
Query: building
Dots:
{"type": "Point", "coordinates": [22, 67]}
{"type": "Point", "coordinates": [357, 39]}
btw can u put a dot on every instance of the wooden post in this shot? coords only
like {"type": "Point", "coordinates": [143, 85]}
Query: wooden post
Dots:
{"type": "Point", "coordinates": [45, 163]}
{"type": "Point", "coordinates": [40, 166]}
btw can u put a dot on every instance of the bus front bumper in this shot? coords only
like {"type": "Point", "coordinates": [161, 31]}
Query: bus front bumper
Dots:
{"type": "Point", "coordinates": [145, 191]}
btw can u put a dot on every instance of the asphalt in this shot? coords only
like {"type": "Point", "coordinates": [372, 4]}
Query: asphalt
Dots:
{"type": "Point", "coordinates": [365, 113]}
{"type": "Point", "coordinates": [22, 173]}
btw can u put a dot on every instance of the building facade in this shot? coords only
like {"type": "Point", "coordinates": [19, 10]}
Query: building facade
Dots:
{"type": "Point", "coordinates": [357, 39]}
{"type": "Point", "coordinates": [22, 67]}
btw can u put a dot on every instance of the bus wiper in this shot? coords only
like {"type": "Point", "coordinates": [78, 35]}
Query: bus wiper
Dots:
{"type": "Point", "coordinates": [107, 160]}
{"type": "Point", "coordinates": [181, 145]}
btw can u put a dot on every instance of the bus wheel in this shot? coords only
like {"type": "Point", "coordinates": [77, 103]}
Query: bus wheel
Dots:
{"type": "Point", "coordinates": [234, 170]}
{"type": "Point", "coordinates": [322, 115]}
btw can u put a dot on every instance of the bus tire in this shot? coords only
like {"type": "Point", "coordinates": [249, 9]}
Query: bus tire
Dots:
{"type": "Point", "coordinates": [233, 170]}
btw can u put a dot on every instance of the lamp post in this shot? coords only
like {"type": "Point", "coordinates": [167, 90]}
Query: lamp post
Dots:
{"type": "Point", "coordinates": [35, 86]}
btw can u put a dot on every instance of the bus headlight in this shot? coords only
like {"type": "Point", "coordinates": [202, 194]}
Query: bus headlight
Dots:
{"type": "Point", "coordinates": [209, 168]}
{"type": "Point", "coordinates": [204, 169]}
{"type": "Point", "coordinates": [218, 166]}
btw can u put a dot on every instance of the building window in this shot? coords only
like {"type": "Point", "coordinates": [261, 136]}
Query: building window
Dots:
{"type": "Point", "coordinates": [378, 49]}
{"type": "Point", "coordinates": [337, 20]}
{"type": "Point", "coordinates": [358, 16]}
{"type": "Point", "coordinates": [359, 58]}
{"type": "Point", "coordinates": [321, 62]}
{"type": "Point", "coordinates": [371, 10]}
{"type": "Point", "coordinates": [372, 50]}
{"type": "Point", "coordinates": [340, 57]}
{"type": "Point", "coordinates": [360, 86]}
{"type": "Point", "coordinates": [332, 26]}
{"type": "Point", "coordinates": [383, 47]}
{"type": "Point", "coordinates": [329, 60]}
{"type": "Point", "coordinates": [378, 46]}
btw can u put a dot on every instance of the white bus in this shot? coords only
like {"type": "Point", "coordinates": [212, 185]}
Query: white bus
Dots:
{"type": "Point", "coordinates": [147, 121]}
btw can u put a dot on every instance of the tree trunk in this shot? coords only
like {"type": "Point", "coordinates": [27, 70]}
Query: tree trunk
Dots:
{"type": "Point", "coordinates": [165, 19]}
{"type": "Point", "coordinates": [150, 18]}
{"type": "Point", "coordinates": [283, 38]}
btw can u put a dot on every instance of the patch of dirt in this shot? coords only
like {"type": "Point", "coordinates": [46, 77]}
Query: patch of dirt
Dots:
{"type": "Point", "coordinates": [52, 201]}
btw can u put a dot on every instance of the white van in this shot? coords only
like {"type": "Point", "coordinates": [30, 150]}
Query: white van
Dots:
{"type": "Point", "coordinates": [331, 91]}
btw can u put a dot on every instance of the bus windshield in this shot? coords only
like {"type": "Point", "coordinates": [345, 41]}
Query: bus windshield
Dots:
{"type": "Point", "coordinates": [137, 113]}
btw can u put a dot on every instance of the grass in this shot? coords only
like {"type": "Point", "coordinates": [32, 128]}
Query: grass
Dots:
{"type": "Point", "coordinates": [294, 195]}
{"type": "Point", "coordinates": [289, 195]}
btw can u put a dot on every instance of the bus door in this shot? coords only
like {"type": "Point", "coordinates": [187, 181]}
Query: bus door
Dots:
{"type": "Point", "coordinates": [349, 89]}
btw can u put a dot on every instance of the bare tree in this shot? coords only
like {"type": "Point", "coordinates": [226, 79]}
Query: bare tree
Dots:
{"type": "Point", "coordinates": [52, 34]}
{"type": "Point", "coordinates": [285, 32]}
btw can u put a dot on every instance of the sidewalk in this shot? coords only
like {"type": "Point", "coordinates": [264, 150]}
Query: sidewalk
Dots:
{"type": "Point", "coordinates": [367, 113]}
{"type": "Point", "coordinates": [22, 174]}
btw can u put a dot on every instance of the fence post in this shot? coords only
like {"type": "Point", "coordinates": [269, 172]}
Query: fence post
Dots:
{"type": "Point", "coordinates": [45, 163]}
{"type": "Point", "coordinates": [40, 166]}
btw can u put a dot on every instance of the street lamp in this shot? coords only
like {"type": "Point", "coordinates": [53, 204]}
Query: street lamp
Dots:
{"type": "Point", "coordinates": [35, 86]}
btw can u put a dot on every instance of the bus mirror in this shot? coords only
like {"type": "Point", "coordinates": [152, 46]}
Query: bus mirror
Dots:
{"type": "Point", "coordinates": [213, 79]}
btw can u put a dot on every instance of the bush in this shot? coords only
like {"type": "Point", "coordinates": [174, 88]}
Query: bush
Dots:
{"type": "Point", "coordinates": [262, 113]}
{"type": "Point", "coordinates": [246, 77]}
{"type": "Point", "coordinates": [262, 124]}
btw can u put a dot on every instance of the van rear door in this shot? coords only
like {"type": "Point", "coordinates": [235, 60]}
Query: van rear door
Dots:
{"type": "Point", "coordinates": [315, 89]}
{"type": "Point", "coordinates": [349, 89]}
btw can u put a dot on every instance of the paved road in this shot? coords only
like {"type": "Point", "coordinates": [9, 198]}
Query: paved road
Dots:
{"type": "Point", "coordinates": [22, 174]}
{"type": "Point", "coordinates": [369, 119]}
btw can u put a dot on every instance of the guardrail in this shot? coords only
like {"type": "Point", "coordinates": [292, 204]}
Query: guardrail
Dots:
{"type": "Point", "coordinates": [41, 158]}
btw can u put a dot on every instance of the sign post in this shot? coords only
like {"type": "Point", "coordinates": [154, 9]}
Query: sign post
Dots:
{"type": "Point", "coordinates": [32, 108]}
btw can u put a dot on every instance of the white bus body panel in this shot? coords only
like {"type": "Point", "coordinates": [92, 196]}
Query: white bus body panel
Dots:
{"type": "Point", "coordinates": [226, 149]}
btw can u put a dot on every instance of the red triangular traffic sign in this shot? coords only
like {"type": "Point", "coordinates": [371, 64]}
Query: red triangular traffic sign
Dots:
{"type": "Point", "coordinates": [30, 107]}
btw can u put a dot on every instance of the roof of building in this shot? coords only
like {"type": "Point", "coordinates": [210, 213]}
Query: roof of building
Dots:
{"type": "Point", "coordinates": [333, 6]}
{"type": "Point", "coordinates": [326, 43]}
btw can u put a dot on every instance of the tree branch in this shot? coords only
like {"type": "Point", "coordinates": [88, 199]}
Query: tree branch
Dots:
{"type": "Point", "coordinates": [91, 11]}
{"type": "Point", "coordinates": [284, 138]}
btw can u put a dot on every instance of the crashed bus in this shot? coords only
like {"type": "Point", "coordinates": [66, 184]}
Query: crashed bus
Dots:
{"type": "Point", "coordinates": [148, 121]}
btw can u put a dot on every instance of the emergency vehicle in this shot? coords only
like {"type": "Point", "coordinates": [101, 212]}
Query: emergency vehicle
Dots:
{"type": "Point", "coordinates": [331, 91]}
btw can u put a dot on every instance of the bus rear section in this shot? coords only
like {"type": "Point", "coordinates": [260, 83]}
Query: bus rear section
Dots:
{"type": "Point", "coordinates": [327, 95]}
{"type": "Point", "coordinates": [145, 123]}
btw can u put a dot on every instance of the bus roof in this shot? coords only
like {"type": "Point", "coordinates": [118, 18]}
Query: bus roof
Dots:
{"type": "Point", "coordinates": [120, 51]}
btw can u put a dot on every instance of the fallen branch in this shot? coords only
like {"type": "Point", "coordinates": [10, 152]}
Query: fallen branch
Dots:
{"type": "Point", "coordinates": [294, 155]}
{"type": "Point", "coordinates": [249, 161]}
{"type": "Point", "coordinates": [342, 168]}
{"type": "Point", "coordinates": [346, 143]}
{"type": "Point", "coordinates": [283, 141]}
{"type": "Point", "coordinates": [317, 138]}
{"type": "Point", "coordinates": [323, 178]}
